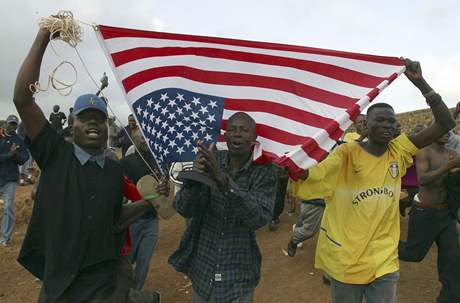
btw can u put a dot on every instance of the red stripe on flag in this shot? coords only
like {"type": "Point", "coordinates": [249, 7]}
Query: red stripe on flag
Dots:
{"type": "Point", "coordinates": [266, 157]}
{"type": "Point", "coordinates": [328, 70]}
{"type": "Point", "coordinates": [312, 149]}
{"type": "Point", "coordinates": [109, 32]}
{"type": "Point", "coordinates": [236, 79]}
{"type": "Point", "coordinates": [294, 171]}
{"type": "Point", "coordinates": [373, 94]}
{"type": "Point", "coordinates": [392, 78]}
{"type": "Point", "coordinates": [353, 112]}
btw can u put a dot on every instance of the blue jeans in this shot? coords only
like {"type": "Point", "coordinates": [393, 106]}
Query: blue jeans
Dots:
{"type": "Point", "coordinates": [7, 193]}
{"type": "Point", "coordinates": [381, 290]}
{"type": "Point", "coordinates": [145, 234]}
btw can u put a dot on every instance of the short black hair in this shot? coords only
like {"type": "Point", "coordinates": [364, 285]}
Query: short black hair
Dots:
{"type": "Point", "coordinates": [246, 117]}
{"type": "Point", "coordinates": [379, 105]}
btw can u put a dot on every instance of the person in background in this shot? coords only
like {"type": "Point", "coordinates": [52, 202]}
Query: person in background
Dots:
{"type": "Point", "coordinates": [113, 131]}
{"type": "Point", "coordinates": [145, 231]}
{"type": "Point", "coordinates": [409, 183]}
{"type": "Point", "coordinates": [312, 207]}
{"type": "Point", "coordinates": [360, 133]}
{"type": "Point", "coordinates": [67, 132]}
{"type": "Point", "coordinates": [25, 170]}
{"type": "Point", "coordinates": [12, 153]}
{"type": "Point", "coordinates": [57, 119]}
{"type": "Point", "coordinates": [3, 125]}
{"type": "Point", "coordinates": [454, 140]}
{"type": "Point", "coordinates": [122, 139]}
{"type": "Point", "coordinates": [70, 114]}
{"type": "Point", "coordinates": [279, 202]}
{"type": "Point", "coordinates": [431, 220]}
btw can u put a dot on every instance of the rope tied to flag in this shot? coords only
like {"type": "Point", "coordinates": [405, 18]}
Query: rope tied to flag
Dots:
{"type": "Point", "coordinates": [64, 27]}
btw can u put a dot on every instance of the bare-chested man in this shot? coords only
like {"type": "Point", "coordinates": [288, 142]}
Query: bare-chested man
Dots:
{"type": "Point", "coordinates": [431, 220]}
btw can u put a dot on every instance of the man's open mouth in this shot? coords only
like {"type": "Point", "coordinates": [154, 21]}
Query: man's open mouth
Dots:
{"type": "Point", "coordinates": [92, 133]}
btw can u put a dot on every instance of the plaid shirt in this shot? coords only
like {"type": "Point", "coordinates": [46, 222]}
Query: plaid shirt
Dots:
{"type": "Point", "coordinates": [218, 251]}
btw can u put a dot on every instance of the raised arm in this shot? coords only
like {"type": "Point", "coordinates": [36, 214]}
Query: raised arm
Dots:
{"type": "Point", "coordinates": [31, 114]}
{"type": "Point", "coordinates": [443, 119]}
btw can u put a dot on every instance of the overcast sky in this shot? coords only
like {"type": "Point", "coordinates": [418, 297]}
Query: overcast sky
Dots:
{"type": "Point", "coordinates": [427, 31]}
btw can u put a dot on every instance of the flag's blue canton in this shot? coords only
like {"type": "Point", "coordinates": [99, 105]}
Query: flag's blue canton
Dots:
{"type": "Point", "coordinates": [173, 120]}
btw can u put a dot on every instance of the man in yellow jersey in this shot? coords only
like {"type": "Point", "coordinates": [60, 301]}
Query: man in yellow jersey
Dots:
{"type": "Point", "coordinates": [358, 240]}
{"type": "Point", "coordinates": [431, 220]}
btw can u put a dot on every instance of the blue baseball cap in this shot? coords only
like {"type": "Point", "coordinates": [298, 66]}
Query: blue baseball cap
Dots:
{"type": "Point", "coordinates": [12, 119]}
{"type": "Point", "coordinates": [89, 101]}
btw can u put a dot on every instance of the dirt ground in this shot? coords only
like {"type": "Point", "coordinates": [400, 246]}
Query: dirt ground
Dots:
{"type": "Point", "coordinates": [284, 279]}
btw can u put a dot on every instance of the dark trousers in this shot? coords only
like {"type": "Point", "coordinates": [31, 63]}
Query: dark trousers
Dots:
{"type": "Point", "coordinates": [123, 292]}
{"type": "Point", "coordinates": [435, 225]}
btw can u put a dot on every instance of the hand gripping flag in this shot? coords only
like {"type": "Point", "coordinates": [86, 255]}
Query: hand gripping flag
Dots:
{"type": "Point", "coordinates": [182, 88]}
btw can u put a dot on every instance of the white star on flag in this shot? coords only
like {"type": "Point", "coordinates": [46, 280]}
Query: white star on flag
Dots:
{"type": "Point", "coordinates": [180, 97]}
{"type": "Point", "coordinates": [164, 97]}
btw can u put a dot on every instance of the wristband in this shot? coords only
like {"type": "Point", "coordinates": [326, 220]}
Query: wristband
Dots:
{"type": "Point", "coordinates": [429, 94]}
{"type": "Point", "coordinates": [434, 100]}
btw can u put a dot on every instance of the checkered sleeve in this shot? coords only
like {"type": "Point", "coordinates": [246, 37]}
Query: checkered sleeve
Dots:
{"type": "Point", "coordinates": [257, 202]}
{"type": "Point", "coordinates": [191, 198]}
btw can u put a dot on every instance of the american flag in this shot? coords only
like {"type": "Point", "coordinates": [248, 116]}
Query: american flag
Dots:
{"type": "Point", "coordinates": [182, 88]}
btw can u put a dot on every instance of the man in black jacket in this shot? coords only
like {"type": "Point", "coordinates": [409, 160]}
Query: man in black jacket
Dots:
{"type": "Point", "coordinates": [12, 154]}
{"type": "Point", "coordinates": [71, 240]}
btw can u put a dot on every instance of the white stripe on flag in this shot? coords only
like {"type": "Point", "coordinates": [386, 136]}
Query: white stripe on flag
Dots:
{"type": "Point", "coordinates": [232, 66]}
{"type": "Point", "coordinates": [115, 45]}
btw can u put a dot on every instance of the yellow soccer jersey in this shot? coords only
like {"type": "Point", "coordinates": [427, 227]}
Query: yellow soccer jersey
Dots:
{"type": "Point", "coordinates": [312, 188]}
{"type": "Point", "coordinates": [359, 234]}
{"type": "Point", "coordinates": [351, 137]}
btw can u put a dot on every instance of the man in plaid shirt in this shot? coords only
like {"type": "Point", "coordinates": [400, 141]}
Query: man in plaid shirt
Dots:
{"type": "Point", "coordinates": [218, 251]}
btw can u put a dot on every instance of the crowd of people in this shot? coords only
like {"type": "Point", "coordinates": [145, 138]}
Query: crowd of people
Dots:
{"type": "Point", "coordinates": [86, 243]}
